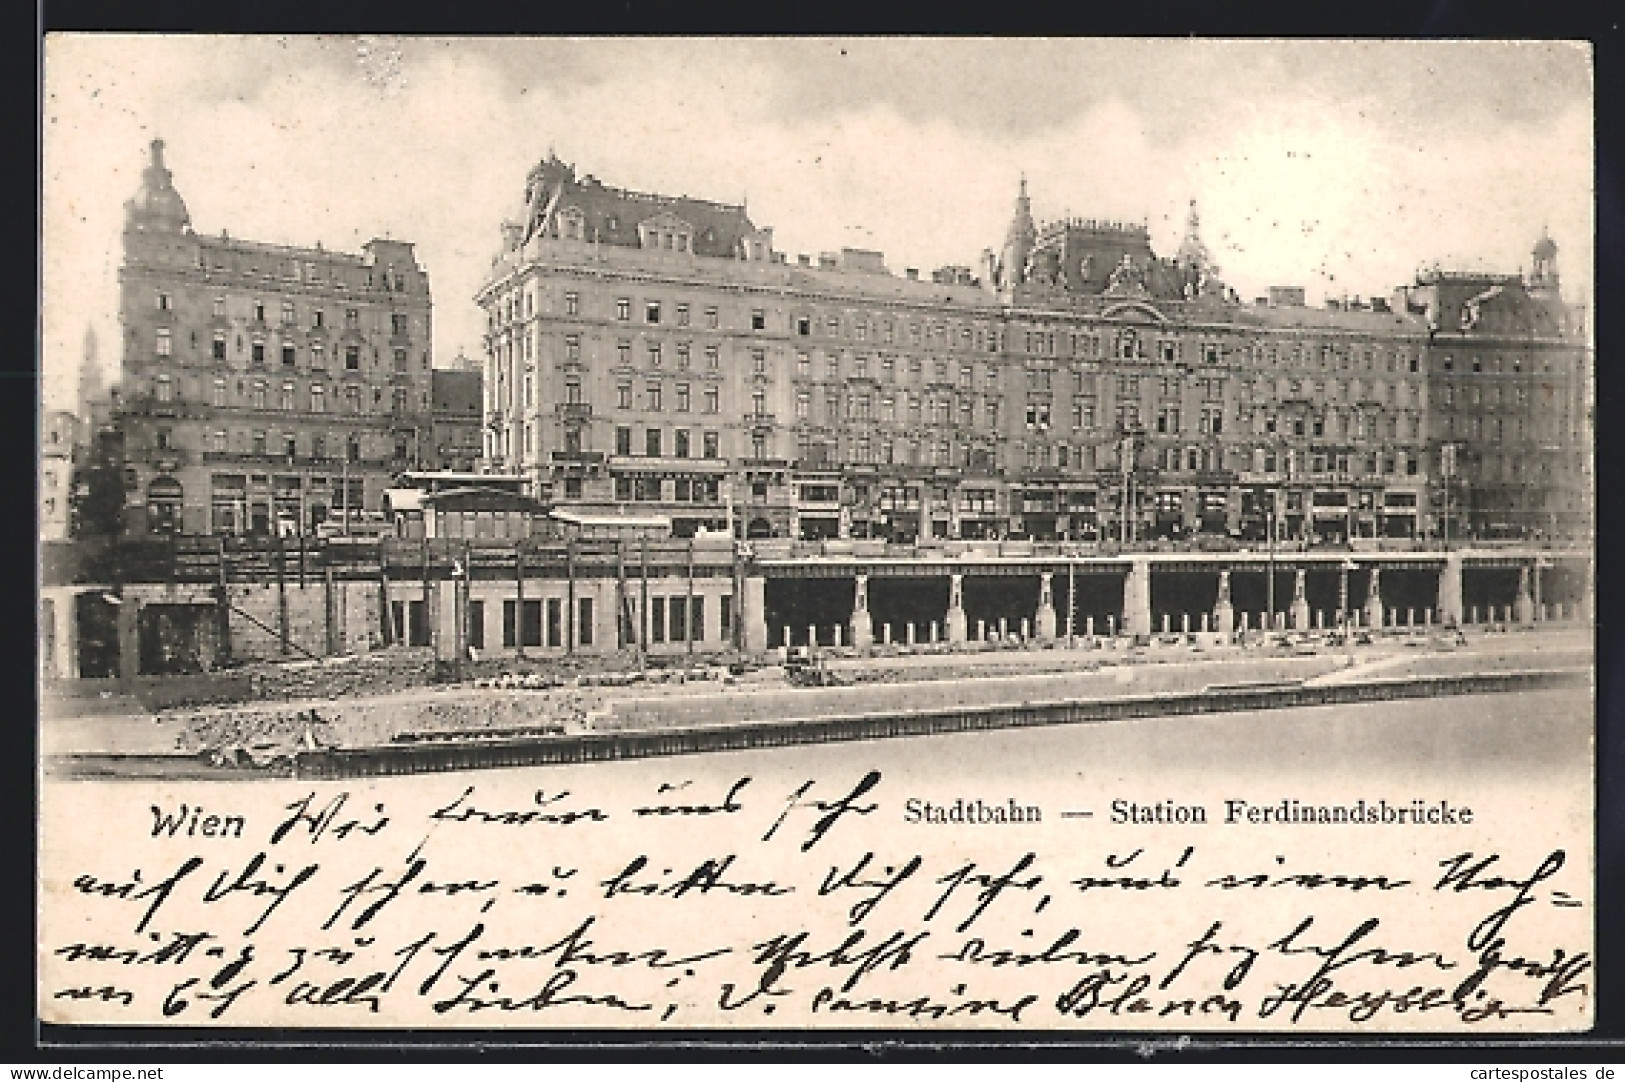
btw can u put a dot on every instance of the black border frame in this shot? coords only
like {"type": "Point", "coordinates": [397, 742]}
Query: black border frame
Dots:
{"type": "Point", "coordinates": [21, 1036]}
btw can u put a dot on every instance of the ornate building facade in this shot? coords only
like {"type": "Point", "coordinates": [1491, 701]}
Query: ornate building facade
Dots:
{"type": "Point", "coordinates": [264, 388]}
{"type": "Point", "coordinates": [655, 354]}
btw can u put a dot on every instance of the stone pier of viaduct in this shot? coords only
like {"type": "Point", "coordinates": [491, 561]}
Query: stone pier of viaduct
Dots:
{"type": "Point", "coordinates": [202, 605]}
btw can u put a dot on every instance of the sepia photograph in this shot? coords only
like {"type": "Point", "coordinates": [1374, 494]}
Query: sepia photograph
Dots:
{"type": "Point", "coordinates": [1024, 535]}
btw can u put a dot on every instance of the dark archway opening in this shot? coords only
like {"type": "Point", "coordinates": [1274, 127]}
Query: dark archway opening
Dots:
{"type": "Point", "coordinates": [801, 604]}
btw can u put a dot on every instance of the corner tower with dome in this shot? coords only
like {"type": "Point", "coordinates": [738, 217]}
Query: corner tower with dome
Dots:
{"type": "Point", "coordinates": [263, 387]}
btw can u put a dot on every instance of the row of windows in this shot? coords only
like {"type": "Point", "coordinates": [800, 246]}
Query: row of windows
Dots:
{"type": "Point", "coordinates": [1262, 390]}
{"type": "Point", "coordinates": [399, 322]}
{"type": "Point", "coordinates": [1513, 365]}
{"type": "Point", "coordinates": [260, 395]}
{"type": "Point", "coordinates": [857, 327]}
{"type": "Point", "coordinates": [258, 352]}
{"type": "Point", "coordinates": [669, 490]}
{"type": "Point", "coordinates": [654, 397]}
{"type": "Point", "coordinates": [1492, 395]}
{"type": "Point", "coordinates": [682, 445]}
{"type": "Point", "coordinates": [320, 445]}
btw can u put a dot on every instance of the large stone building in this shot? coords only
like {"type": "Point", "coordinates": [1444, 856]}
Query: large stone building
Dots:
{"type": "Point", "coordinates": [264, 388]}
{"type": "Point", "coordinates": [656, 354]}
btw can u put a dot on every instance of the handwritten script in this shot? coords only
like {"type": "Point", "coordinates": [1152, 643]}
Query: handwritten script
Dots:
{"type": "Point", "coordinates": [659, 895]}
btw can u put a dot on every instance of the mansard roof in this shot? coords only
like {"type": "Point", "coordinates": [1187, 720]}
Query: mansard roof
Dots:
{"type": "Point", "coordinates": [612, 215]}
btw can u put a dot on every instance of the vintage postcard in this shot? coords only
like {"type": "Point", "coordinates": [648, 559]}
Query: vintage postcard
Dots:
{"type": "Point", "coordinates": [927, 535]}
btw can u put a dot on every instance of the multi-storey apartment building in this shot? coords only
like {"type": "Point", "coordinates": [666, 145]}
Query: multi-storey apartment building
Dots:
{"type": "Point", "coordinates": [264, 387]}
{"type": "Point", "coordinates": [656, 354]}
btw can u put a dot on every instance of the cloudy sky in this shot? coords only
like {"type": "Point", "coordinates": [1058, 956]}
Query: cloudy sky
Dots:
{"type": "Point", "coordinates": [1342, 167]}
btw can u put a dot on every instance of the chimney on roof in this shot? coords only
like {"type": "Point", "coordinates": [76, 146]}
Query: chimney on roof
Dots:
{"type": "Point", "coordinates": [804, 260]}
{"type": "Point", "coordinates": [912, 273]}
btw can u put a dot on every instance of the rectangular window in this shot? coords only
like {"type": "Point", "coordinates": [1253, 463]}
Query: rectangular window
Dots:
{"type": "Point", "coordinates": [651, 312]}
{"type": "Point", "coordinates": [677, 610]}
{"type": "Point", "coordinates": [758, 320]}
{"type": "Point", "coordinates": [711, 319]}
{"type": "Point", "coordinates": [711, 356]}
{"type": "Point", "coordinates": [555, 622]}
{"type": "Point", "coordinates": [654, 354]}
{"type": "Point", "coordinates": [219, 307]}
{"type": "Point", "coordinates": [218, 394]}
{"type": "Point", "coordinates": [528, 623]}
{"type": "Point", "coordinates": [682, 398]}
{"type": "Point", "coordinates": [713, 400]}
{"type": "Point", "coordinates": [682, 355]}
{"type": "Point", "coordinates": [511, 624]}
{"type": "Point", "coordinates": [476, 624]}
{"type": "Point", "coordinates": [218, 351]}
{"type": "Point", "coordinates": [680, 443]}
{"type": "Point", "coordinates": [352, 358]}
{"type": "Point", "coordinates": [623, 441]}
{"type": "Point", "coordinates": [584, 621]}
{"type": "Point", "coordinates": [696, 620]}
{"type": "Point", "coordinates": [651, 443]}
{"type": "Point", "coordinates": [652, 396]}
{"type": "Point", "coordinates": [572, 304]}
{"type": "Point", "coordinates": [657, 619]}
{"type": "Point", "coordinates": [758, 361]}
{"type": "Point", "coordinates": [726, 623]}
{"type": "Point", "coordinates": [623, 396]}
{"type": "Point", "coordinates": [710, 445]}
{"type": "Point", "coordinates": [623, 308]}
{"type": "Point", "coordinates": [164, 343]}
{"type": "Point", "coordinates": [682, 315]}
